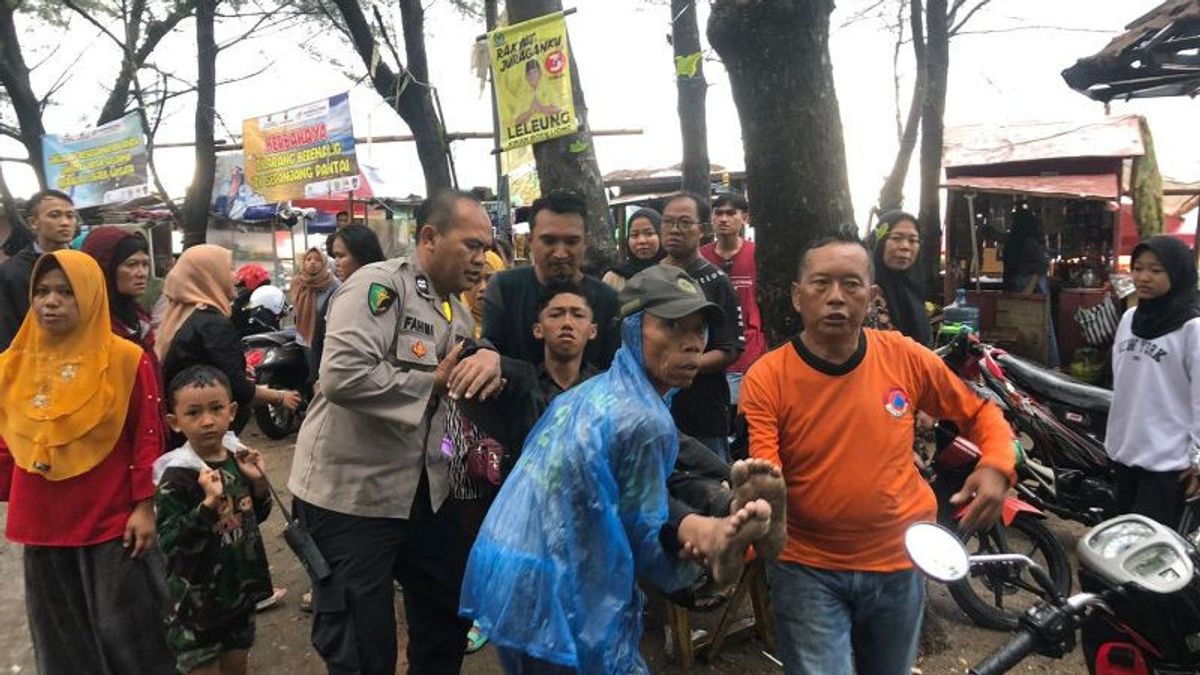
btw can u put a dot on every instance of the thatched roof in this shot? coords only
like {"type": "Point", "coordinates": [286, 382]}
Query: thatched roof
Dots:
{"type": "Point", "coordinates": [1156, 56]}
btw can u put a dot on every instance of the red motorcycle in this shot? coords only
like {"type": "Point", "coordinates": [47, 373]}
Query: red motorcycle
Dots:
{"type": "Point", "coordinates": [994, 597]}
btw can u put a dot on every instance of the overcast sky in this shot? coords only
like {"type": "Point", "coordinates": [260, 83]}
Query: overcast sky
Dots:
{"type": "Point", "coordinates": [628, 79]}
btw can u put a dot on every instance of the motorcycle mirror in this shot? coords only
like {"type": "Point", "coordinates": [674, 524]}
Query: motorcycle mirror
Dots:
{"type": "Point", "coordinates": [937, 552]}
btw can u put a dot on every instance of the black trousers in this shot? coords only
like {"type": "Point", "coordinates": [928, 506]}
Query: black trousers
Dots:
{"type": "Point", "coordinates": [354, 619]}
{"type": "Point", "coordinates": [695, 483]}
{"type": "Point", "coordinates": [93, 609]}
{"type": "Point", "coordinates": [1155, 494]}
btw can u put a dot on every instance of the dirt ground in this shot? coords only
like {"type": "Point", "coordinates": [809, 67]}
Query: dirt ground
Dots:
{"type": "Point", "coordinates": [283, 648]}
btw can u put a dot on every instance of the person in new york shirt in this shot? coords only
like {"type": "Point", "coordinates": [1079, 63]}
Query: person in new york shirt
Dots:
{"type": "Point", "coordinates": [1154, 422]}
{"type": "Point", "coordinates": [734, 254]}
{"type": "Point", "coordinates": [702, 410]}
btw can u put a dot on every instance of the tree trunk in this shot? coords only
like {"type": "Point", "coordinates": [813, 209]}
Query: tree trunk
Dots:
{"type": "Point", "coordinates": [199, 194]}
{"type": "Point", "coordinates": [14, 76]}
{"type": "Point", "coordinates": [777, 57]}
{"type": "Point", "coordinates": [892, 195]}
{"type": "Point", "coordinates": [413, 101]}
{"type": "Point", "coordinates": [569, 162]}
{"type": "Point", "coordinates": [693, 92]}
{"type": "Point", "coordinates": [937, 66]}
{"type": "Point", "coordinates": [11, 214]}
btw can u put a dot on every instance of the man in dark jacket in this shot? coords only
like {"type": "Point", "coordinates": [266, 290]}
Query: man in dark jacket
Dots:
{"type": "Point", "coordinates": [51, 217]}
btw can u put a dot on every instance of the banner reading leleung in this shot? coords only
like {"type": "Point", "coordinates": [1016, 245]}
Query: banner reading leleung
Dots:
{"type": "Point", "coordinates": [105, 165]}
{"type": "Point", "coordinates": [531, 68]}
{"type": "Point", "coordinates": [307, 151]}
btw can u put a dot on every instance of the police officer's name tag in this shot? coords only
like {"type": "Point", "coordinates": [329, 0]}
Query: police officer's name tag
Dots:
{"type": "Point", "coordinates": [380, 298]}
{"type": "Point", "coordinates": [415, 325]}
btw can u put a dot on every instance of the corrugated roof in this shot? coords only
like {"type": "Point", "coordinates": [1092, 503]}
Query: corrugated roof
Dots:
{"type": "Point", "coordinates": [982, 144]}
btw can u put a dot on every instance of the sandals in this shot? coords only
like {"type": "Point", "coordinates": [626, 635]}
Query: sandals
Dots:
{"type": "Point", "coordinates": [475, 639]}
{"type": "Point", "coordinates": [271, 600]}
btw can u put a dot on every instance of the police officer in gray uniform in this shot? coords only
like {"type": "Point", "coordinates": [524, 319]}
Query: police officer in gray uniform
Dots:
{"type": "Point", "coordinates": [369, 474]}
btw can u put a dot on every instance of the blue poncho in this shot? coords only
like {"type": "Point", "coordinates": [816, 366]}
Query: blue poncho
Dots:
{"type": "Point", "coordinates": [553, 572]}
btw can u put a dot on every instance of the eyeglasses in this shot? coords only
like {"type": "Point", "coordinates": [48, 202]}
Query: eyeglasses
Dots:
{"type": "Point", "coordinates": [679, 223]}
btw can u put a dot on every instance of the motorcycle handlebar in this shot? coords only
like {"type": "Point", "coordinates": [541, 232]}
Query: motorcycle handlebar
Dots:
{"type": "Point", "coordinates": [1003, 659]}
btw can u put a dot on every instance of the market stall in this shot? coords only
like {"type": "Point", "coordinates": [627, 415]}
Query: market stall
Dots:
{"type": "Point", "coordinates": [1073, 186]}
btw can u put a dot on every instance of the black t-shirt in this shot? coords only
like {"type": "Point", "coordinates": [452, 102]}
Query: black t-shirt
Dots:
{"type": "Point", "coordinates": [702, 410]}
{"type": "Point", "coordinates": [510, 310]}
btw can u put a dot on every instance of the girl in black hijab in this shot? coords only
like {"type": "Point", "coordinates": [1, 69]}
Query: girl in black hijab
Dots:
{"type": "Point", "coordinates": [642, 249]}
{"type": "Point", "coordinates": [1153, 425]}
{"type": "Point", "coordinates": [900, 302]}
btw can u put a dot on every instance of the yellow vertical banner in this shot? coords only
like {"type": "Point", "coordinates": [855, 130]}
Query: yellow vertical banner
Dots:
{"type": "Point", "coordinates": [531, 69]}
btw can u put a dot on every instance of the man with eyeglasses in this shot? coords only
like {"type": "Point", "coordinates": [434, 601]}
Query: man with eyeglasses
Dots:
{"type": "Point", "coordinates": [702, 410]}
{"type": "Point", "coordinates": [734, 254]}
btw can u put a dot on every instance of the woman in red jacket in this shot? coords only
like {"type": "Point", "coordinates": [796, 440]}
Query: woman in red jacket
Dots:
{"type": "Point", "coordinates": [78, 412]}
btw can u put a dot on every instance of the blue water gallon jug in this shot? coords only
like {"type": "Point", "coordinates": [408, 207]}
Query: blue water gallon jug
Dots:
{"type": "Point", "coordinates": [960, 313]}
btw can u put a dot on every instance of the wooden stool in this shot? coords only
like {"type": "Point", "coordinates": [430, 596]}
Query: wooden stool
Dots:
{"type": "Point", "coordinates": [754, 582]}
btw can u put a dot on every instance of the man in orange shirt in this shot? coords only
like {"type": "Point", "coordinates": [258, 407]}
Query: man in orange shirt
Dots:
{"type": "Point", "coordinates": [834, 408]}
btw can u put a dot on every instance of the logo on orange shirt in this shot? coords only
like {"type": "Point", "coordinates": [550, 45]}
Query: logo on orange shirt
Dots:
{"type": "Point", "coordinates": [896, 402]}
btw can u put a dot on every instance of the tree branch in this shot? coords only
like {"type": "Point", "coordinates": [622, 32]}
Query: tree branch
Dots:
{"type": "Point", "coordinates": [150, 133]}
{"type": "Point", "coordinates": [956, 27]}
{"type": "Point", "coordinates": [257, 24]}
{"type": "Point", "coordinates": [92, 20]}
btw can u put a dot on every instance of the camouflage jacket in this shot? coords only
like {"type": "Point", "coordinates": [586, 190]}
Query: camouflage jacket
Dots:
{"type": "Point", "coordinates": [216, 563]}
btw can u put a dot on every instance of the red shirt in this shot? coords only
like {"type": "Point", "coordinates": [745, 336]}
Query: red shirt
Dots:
{"type": "Point", "coordinates": [744, 274]}
{"type": "Point", "coordinates": [91, 508]}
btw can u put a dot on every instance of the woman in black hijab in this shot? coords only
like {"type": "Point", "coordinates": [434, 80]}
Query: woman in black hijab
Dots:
{"type": "Point", "coordinates": [642, 249]}
{"type": "Point", "coordinates": [1153, 425]}
{"type": "Point", "coordinates": [900, 302]}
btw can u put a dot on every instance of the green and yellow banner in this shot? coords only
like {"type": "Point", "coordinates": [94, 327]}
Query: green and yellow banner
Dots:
{"type": "Point", "coordinates": [531, 68]}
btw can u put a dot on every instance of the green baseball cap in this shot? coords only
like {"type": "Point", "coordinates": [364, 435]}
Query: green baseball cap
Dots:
{"type": "Point", "coordinates": [668, 293]}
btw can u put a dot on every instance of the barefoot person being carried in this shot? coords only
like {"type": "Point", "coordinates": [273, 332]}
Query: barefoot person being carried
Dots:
{"type": "Point", "coordinates": [583, 516]}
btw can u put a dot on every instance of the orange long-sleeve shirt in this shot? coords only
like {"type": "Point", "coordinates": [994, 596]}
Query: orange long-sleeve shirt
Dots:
{"type": "Point", "coordinates": [843, 436]}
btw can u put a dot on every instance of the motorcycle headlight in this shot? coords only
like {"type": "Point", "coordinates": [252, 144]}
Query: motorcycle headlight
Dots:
{"type": "Point", "coordinates": [1119, 537]}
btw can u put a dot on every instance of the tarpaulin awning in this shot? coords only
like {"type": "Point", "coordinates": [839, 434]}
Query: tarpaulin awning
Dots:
{"type": "Point", "coordinates": [1100, 186]}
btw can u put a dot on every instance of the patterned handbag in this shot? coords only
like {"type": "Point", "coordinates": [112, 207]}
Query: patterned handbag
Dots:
{"type": "Point", "coordinates": [1099, 322]}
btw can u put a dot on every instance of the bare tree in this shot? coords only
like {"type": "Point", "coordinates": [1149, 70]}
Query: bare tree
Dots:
{"type": "Point", "coordinates": [693, 94]}
{"type": "Point", "coordinates": [27, 106]}
{"type": "Point", "coordinates": [777, 55]}
{"type": "Point", "coordinates": [407, 89]}
{"type": "Point", "coordinates": [569, 162]}
{"type": "Point", "coordinates": [141, 35]}
{"type": "Point", "coordinates": [199, 194]}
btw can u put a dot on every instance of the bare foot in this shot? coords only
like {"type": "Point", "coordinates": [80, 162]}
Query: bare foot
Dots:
{"type": "Point", "coordinates": [760, 479]}
{"type": "Point", "coordinates": [720, 543]}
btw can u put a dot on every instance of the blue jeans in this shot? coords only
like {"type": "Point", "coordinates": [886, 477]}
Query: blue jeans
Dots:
{"type": "Point", "coordinates": [735, 387]}
{"type": "Point", "coordinates": [824, 616]}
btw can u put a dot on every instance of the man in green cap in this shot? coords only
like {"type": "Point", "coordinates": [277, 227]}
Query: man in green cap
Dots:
{"type": "Point", "coordinates": [583, 516]}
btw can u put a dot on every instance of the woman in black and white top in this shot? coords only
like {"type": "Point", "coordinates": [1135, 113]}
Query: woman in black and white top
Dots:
{"type": "Point", "coordinates": [1155, 419]}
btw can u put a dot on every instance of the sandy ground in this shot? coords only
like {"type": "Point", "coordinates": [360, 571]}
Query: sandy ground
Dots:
{"type": "Point", "coordinates": [283, 645]}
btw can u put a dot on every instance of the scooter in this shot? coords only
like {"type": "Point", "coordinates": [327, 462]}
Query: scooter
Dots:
{"type": "Point", "coordinates": [1145, 587]}
{"type": "Point", "coordinates": [1066, 470]}
{"type": "Point", "coordinates": [993, 597]}
{"type": "Point", "coordinates": [275, 360]}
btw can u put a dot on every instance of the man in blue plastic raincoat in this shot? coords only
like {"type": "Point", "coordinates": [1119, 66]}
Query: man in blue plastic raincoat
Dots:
{"type": "Point", "coordinates": [552, 578]}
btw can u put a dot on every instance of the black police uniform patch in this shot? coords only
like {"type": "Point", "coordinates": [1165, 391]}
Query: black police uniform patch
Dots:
{"type": "Point", "coordinates": [423, 286]}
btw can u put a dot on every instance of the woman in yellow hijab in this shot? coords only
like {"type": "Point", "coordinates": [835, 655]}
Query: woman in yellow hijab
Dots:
{"type": "Point", "coordinates": [473, 298]}
{"type": "Point", "coordinates": [79, 415]}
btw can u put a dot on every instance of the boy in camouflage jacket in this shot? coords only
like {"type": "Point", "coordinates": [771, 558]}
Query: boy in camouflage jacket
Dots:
{"type": "Point", "coordinates": [209, 502]}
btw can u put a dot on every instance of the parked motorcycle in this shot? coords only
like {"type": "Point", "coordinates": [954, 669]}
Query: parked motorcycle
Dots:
{"type": "Point", "coordinates": [1060, 422]}
{"type": "Point", "coordinates": [277, 361]}
{"type": "Point", "coordinates": [1145, 587]}
{"type": "Point", "coordinates": [994, 597]}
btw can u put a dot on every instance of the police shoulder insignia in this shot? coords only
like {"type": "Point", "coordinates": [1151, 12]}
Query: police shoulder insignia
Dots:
{"type": "Point", "coordinates": [380, 298]}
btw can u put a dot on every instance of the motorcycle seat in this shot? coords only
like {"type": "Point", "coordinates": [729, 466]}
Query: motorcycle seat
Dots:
{"type": "Point", "coordinates": [1056, 386]}
{"type": "Point", "coordinates": [272, 339]}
